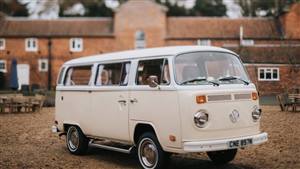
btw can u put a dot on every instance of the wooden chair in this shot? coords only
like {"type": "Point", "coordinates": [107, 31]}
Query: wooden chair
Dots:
{"type": "Point", "coordinates": [284, 102]}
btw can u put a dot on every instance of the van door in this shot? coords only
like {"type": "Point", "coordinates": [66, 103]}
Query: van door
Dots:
{"type": "Point", "coordinates": [110, 101]}
{"type": "Point", "coordinates": [73, 98]}
{"type": "Point", "coordinates": [157, 106]}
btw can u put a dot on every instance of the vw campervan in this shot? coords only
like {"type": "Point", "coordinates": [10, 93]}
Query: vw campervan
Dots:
{"type": "Point", "coordinates": [159, 101]}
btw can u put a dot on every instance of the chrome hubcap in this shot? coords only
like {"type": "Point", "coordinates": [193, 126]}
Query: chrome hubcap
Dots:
{"type": "Point", "coordinates": [148, 153]}
{"type": "Point", "coordinates": [73, 139]}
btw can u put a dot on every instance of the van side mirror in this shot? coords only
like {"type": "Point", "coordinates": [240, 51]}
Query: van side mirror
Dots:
{"type": "Point", "coordinates": [153, 81]}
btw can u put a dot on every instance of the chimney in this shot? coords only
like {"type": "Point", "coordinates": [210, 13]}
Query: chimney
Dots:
{"type": "Point", "coordinates": [290, 22]}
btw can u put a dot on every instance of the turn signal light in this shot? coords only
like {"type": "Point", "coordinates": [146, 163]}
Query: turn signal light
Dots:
{"type": "Point", "coordinates": [254, 96]}
{"type": "Point", "coordinates": [201, 99]}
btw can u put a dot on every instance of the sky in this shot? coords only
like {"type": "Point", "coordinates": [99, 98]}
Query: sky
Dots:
{"type": "Point", "coordinates": [35, 8]}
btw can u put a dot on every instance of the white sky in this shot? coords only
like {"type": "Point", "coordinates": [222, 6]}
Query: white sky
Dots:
{"type": "Point", "coordinates": [233, 10]}
{"type": "Point", "coordinates": [36, 9]}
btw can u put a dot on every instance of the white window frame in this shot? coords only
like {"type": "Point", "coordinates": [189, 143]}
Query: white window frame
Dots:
{"type": "Point", "coordinates": [40, 63]}
{"type": "Point", "coordinates": [31, 41]}
{"type": "Point", "coordinates": [3, 44]}
{"type": "Point", "coordinates": [268, 70]}
{"type": "Point", "coordinates": [247, 42]}
{"type": "Point", "coordinates": [204, 42]}
{"type": "Point", "coordinates": [5, 66]}
{"type": "Point", "coordinates": [77, 41]}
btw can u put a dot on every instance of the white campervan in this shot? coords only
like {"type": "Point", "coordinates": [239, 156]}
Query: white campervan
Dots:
{"type": "Point", "coordinates": [159, 101]}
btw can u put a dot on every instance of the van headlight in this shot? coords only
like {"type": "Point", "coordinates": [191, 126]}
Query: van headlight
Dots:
{"type": "Point", "coordinates": [256, 113]}
{"type": "Point", "coordinates": [201, 119]}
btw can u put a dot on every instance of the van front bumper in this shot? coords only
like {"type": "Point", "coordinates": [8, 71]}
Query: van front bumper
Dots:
{"type": "Point", "coordinates": [223, 144]}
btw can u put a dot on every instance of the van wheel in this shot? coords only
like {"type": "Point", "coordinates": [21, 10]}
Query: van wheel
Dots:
{"type": "Point", "coordinates": [150, 153]}
{"type": "Point", "coordinates": [222, 157]}
{"type": "Point", "coordinates": [76, 141]}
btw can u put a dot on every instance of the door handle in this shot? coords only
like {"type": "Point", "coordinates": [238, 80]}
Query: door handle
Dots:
{"type": "Point", "coordinates": [122, 101]}
{"type": "Point", "coordinates": [133, 100]}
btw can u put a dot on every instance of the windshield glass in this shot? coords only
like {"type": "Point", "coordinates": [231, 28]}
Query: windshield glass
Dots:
{"type": "Point", "coordinates": [218, 67]}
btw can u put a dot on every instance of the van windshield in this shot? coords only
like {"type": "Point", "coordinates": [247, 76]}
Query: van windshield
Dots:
{"type": "Point", "coordinates": [202, 68]}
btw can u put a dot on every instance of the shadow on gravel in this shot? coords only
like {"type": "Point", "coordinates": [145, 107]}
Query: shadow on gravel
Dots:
{"type": "Point", "coordinates": [130, 161]}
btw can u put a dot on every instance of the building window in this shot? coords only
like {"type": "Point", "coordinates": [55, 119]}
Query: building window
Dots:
{"type": "Point", "coordinates": [268, 74]}
{"type": "Point", "coordinates": [2, 66]}
{"type": "Point", "coordinates": [76, 44]}
{"type": "Point", "coordinates": [247, 42]}
{"type": "Point", "coordinates": [43, 65]}
{"type": "Point", "coordinates": [2, 44]}
{"type": "Point", "coordinates": [31, 44]}
{"type": "Point", "coordinates": [203, 42]}
{"type": "Point", "coordinates": [140, 40]}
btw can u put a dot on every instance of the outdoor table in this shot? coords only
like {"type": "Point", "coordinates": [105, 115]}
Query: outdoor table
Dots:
{"type": "Point", "coordinates": [295, 100]}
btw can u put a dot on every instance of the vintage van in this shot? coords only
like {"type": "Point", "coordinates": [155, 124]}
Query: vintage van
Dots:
{"type": "Point", "coordinates": [159, 101]}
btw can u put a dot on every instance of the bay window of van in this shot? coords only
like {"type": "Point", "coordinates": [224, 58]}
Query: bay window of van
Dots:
{"type": "Point", "coordinates": [155, 67]}
{"type": "Point", "coordinates": [78, 76]}
{"type": "Point", "coordinates": [115, 74]}
{"type": "Point", "coordinates": [206, 68]}
{"type": "Point", "coordinates": [268, 74]}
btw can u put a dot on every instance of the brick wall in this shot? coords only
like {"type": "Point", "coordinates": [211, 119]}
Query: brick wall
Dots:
{"type": "Point", "coordinates": [15, 48]}
{"type": "Point", "coordinates": [289, 78]}
{"type": "Point", "coordinates": [145, 16]}
{"type": "Point", "coordinates": [291, 22]}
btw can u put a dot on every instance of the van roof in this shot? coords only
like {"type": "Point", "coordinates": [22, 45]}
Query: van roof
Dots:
{"type": "Point", "coordinates": [142, 53]}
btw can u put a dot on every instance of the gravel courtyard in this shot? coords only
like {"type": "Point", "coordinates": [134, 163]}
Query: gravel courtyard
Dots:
{"type": "Point", "coordinates": [26, 141]}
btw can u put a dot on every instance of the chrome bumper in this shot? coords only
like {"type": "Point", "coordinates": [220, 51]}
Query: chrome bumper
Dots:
{"type": "Point", "coordinates": [214, 145]}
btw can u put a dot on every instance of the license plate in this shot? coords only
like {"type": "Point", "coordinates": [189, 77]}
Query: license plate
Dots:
{"type": "Point", "coordinates": [239, 143]}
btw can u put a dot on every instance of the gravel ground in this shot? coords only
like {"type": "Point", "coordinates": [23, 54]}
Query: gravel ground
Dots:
{"type": "Point", "coordinates": [26, 141]}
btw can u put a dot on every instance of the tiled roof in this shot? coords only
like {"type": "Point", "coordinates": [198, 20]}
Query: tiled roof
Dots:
{"type": "Point", "coordinates": [59, 27]}
{"type": "Point", "coordinates": [224, 28]}
{"type": "Point", "coordinates": [272, 55]}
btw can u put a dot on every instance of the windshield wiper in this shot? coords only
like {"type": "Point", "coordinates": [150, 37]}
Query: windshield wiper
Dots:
{"type": "Point", "coordinates": [199, 79]}
{"type": "Point", "coordinates": [229, 78]}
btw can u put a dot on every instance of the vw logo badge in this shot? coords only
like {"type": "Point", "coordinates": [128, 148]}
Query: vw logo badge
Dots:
{"type": "Point", "coordinates": [234, 116]}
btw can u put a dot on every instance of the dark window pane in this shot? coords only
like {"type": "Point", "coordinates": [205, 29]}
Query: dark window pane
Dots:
{"type": "Point", "coordinates": [261, 74]}
{"type": "Point", "coordinates": [149, 68]}
{"type": "Point", "coordinates": [43, 65]}
{"type": "Point", "coordinates": [268, 75]}
{"type": "Point", "coordinates": [275, 74]}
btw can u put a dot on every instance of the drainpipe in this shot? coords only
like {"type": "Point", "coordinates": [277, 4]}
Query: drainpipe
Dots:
{"type": "Point", "coordinates": [49, 63]}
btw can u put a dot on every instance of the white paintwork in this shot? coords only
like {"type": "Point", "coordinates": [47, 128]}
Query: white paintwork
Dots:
{"type": "Point", "coordinates": [169, 110]}
{"type": "Point", "coordinates": [23, 71]}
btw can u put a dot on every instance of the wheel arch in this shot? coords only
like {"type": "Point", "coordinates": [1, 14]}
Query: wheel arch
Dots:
{"type": "Point", "coordinates": [66, 125]}
{"type": "Point", "coordinates": [142, 127]}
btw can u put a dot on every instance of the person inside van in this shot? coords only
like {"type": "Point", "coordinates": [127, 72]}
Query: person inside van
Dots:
{"type": "Point", "coordinates": [104, 77]}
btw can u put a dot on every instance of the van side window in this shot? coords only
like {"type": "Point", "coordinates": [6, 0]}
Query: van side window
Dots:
{"type": "Point", "coordinates": [113, 74]}
{"type": "Point", "coordinates": [157, 67]}
{"type": "Point", "coordinates": [79, 75]}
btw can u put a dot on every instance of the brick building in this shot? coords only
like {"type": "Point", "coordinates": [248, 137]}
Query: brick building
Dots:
{"type": "Point", "coordinates": [270, 48]}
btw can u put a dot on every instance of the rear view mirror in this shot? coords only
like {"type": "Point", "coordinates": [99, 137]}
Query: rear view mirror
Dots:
{"type": "Point", "coordinates": [152, 81]}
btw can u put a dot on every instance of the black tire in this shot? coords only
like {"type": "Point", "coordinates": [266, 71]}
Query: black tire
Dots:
{"type": "Point", "coordinates": [160, 161]}
{"type": "Point", "coordinates": [222, 157]}
{"type": "Point", "coordinates": [76, 141]}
